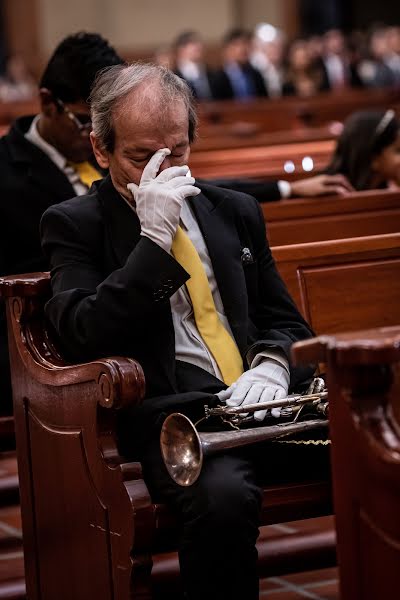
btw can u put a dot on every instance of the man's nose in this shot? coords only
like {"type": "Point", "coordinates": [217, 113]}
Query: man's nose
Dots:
{"type": "Point", "coordinates": [166, 163]}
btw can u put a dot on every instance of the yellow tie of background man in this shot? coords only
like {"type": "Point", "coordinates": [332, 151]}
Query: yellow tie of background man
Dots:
{"type": "Point", "coordinates": [219, 342]}
{"type": "Point", "coordinates": [87, 173]}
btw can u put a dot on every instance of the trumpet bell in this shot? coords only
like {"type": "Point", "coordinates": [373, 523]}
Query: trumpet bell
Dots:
{"type": "Point", "coordinates": [181, 449]}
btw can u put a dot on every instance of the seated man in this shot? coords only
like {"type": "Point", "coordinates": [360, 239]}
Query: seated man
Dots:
{"type": "Point", "coordinates": [47, 158]}
{"type": "Point", "coordinates": [180, 277]}
{"type": "Point", "coordinates": [44, 160]}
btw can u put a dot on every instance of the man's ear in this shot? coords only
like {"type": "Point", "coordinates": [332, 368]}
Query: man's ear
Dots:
{"type": "Point", "coordinates": [102, 155]}
{"type": "Point", "coordinates": [47, 105]}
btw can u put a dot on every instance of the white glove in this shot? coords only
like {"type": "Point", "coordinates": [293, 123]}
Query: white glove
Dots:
{"type": "Point", "coordinates": [159, 198]}
{"type": "Point", "coordinates": [267, 381]}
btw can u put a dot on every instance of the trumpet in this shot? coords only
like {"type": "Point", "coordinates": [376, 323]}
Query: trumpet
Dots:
{"type": "Point", "coordinates": [184, 448]}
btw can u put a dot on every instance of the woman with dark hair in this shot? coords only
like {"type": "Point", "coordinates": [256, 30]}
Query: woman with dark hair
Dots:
{"type": "Point", "coordinates": [368, 150]}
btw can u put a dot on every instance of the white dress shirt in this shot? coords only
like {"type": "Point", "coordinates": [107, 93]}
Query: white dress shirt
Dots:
{"type": "Point", "coordinates": [33, 136]}
{"type": "Point", "coordinates": [336, 69]}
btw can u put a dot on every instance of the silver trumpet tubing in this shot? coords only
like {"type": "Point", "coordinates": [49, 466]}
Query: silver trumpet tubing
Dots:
{"type": "Point", "coordinates": [184, 448]}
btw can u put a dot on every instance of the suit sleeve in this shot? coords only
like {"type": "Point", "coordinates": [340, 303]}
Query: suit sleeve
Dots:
{"type": "Point", "coordinates": [95, 313]}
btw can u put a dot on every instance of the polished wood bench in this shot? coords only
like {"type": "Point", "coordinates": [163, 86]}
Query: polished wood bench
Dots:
{"type": "Point", "coordinates": [344, 285]}
{"type": "Point", "coordinates": [277, 114]}
{"type": "Point", "coordinates": [76, 487]}
{"type": "Point", "coordinates": [363, 370]}
{"type": "Point", "coordinates": [283, 161]}
{"type": "Point", "coordinates": [71, 409]}
{"type": "Point", "coordinates": [300, 221]}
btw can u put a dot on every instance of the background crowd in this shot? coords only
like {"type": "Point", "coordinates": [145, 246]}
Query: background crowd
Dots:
{"type": "Point", "coordinates": [265, 63]}
{"type": "Point", "coordinates": [262, 63]}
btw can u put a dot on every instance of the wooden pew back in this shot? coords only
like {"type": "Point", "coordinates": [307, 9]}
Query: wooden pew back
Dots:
{"type": "Point", "coordinates": [336, 217]}
{"type": "Point", "coordinates": [90, 527]}
{"type": "Point", "coordinates": [364, 412]}
{"type": "Point", "coordinates": [83, 492]}
{"type": "Point", "coordinates": [285, 161]}
{"type": "Point", "coordinates": [291, 112]}
{"type": "Point", "coordinates": [344, 285]}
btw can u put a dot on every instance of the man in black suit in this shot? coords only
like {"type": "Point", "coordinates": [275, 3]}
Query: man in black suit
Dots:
{"type": "Point", "coordinates": [180, 277]}
{"type": "Point", "coordinates": [190, 65]}
{"type": "Point", "coordinates": [238, 79]}
{"type": "Point", "coordinates": [44, 160]}
{"type": "Point", "coordinates": [48, 158]}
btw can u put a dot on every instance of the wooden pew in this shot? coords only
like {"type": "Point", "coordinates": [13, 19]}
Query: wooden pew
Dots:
{"type": "Point", "coordinates": [90, 528]}
{"type": "Point", "coordinates": [326, 218]}
{"type": "Point", "coordinates": [241, 135]}
{"type": "Point", "coordinates": [344, 285]}
{"type": "Point", "coordinates": [56, 406]}
{"type": "Point", "coordinates": [292, 112]}
{"type": "Point", "coordinates": [364, 390]}
{"type": "Point", "coordinates": [285, 161]}
{"type": "Point", "coordinates": [9, 111]}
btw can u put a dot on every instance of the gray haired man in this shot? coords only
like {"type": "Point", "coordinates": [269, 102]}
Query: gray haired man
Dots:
{"type": "Point", "coordinates": [150, 264]}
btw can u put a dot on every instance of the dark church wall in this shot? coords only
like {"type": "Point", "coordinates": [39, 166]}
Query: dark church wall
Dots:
{"type": "Point", "coordinates": [316, 16]}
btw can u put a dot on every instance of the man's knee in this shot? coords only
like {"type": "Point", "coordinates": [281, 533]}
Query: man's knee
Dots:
{"type": "Point", "coordinates": [225, 493]}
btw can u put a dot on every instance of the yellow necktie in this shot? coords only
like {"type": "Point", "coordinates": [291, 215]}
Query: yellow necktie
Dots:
{"type": "Point", "coordinates": [219, 342]}
{"type": "Point", "coordinates": [87, 173]}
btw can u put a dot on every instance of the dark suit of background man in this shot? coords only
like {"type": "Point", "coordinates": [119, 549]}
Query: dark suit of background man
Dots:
{"type": "Point", "coordinates": [180, 277]}
{"type": "Point", "coordinates": [43, 160]}
{"type": "Point", "coordinates": [238, 79]}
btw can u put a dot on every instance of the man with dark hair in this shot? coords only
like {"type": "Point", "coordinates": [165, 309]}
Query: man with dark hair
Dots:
{"type": "Point", "coordinates": [154, 265]}
{"type": "Point", "coordinates": [45, 159]}
{"type": "Point", "coordinates": [190, 65]}
{"type": "Point", "coordinates": [238, 79]}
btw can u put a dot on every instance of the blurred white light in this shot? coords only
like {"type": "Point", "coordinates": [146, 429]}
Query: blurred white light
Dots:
{"type": "Point", "coordinates": [289, 167]}
{"type": "Point", "coordinates": [336, 127]}
{"type": "Point", "coordinates": [266, 32]}
{"type": "Point", "coordinates": [307, 163]}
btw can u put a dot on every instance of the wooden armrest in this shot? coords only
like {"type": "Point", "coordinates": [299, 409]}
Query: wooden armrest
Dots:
{"type": "Point", "coordinates": [26, 285]}
{"type": "Point", "coordinates": [121, 379]}
{"type": "Point", "coordinates": [367, 347]}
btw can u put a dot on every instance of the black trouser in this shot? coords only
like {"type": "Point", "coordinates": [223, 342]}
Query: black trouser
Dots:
{"type": "Point", "coordinates": [220, 513]}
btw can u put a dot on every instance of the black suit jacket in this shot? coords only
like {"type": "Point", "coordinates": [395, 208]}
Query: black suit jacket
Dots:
{"type": "Point", "coordinates": [29, 183]}
{"type": "Point", "coordinates": [209, 75]}
{"type": "Point", "coordinates": [222, 87]}
{"type": "Point", "coordinates": [111, 286]}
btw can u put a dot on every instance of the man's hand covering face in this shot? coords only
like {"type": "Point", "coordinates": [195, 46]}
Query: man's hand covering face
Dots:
{"type": "Point", "coordinates": [159, 198]}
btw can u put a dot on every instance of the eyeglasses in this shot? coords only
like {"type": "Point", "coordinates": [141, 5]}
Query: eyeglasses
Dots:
{"type": "Point", "coordinates": [82, 121]}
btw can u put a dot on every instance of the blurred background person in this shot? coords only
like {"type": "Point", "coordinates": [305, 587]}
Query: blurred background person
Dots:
{"type": "Point", "coordinates": [190, 64]}
{"type": "Point", "coordinates": [338, 70]}
{"type": "Point", "coordinates": [17, 83]}
{"type": "Point", "coordinates": [238, 79]}
{"type": "Point", "coordinates": [392, 58]}
{"type": "Point", "coordinates": [163, 56]}
{"type": "Point", "coordinates": [368, 150]}
{"type": "Point", "coordinates": [45, 159]}
{"type": "Point", "coordinates": [303, 75]}
{"type": "Point", "coordinates": [267, 57]}
{"type": "Point", "coordinates": [376, 69]}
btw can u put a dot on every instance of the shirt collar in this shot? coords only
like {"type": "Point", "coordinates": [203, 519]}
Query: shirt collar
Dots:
{"type": "Point", "coordinates": [33, 136]}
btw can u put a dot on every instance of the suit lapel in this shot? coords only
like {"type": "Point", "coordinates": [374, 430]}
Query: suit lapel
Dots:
{"type": "Point", "coordinates": [45, 175]}
{"type": "Point", "coordinates": [121, 221]}
{"type": "Point", "coordinates": [40, 170]}
{"type": "Point", "coordinates": [220, 234]}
